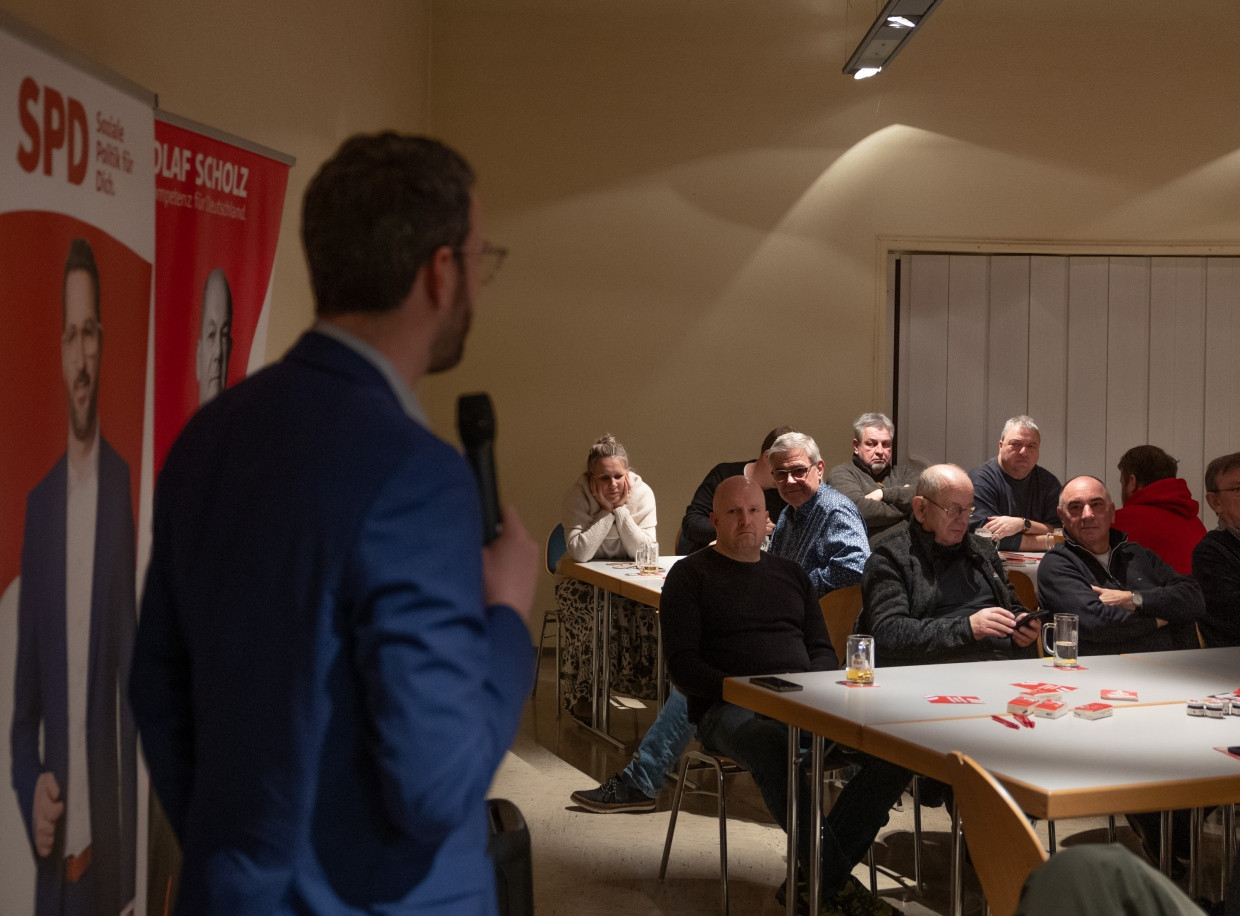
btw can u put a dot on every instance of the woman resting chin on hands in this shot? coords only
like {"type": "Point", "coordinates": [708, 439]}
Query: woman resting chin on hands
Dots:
{"type": "Point", "coordinates": [606, 513]}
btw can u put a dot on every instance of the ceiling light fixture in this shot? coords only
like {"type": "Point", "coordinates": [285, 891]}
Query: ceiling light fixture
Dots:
{"type": "Point", "coordinates": [896, 23]}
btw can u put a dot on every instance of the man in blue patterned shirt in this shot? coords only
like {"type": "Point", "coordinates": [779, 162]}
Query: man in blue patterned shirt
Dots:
{"type": "Point", "coordinates": [821, 529]}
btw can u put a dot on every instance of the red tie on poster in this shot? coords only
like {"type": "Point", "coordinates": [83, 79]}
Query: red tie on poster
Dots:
{"type": "Point", "coordinates": [218, 203]}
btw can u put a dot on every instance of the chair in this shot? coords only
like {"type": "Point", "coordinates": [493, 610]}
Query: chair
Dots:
{"type": "Point", "coordinates": [723, 766]}
{"type": "Point", "coordinates": [840, 609]}
{"type": "Point", "coordinates": [556, 547]}
{"type": "Point", "coordinates": [693, 759]}
{"type": "Point", "coordinates": [1024, 588]}
{"type": "Point", "coordinates": [1003, 846]}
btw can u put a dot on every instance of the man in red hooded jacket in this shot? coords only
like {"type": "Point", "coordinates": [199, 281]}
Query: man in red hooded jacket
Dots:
{"type": "Point", "coordinates": [1158, 512]}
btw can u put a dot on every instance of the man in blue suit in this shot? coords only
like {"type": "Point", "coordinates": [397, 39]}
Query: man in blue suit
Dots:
{"type": "Point", "coordinates": [329, 665]}
{"type": "Point", "coordinates": [77, 789]}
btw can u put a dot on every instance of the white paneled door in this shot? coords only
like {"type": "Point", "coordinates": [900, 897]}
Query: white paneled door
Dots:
{"type": "Point", "coordinates": [1103, 352]}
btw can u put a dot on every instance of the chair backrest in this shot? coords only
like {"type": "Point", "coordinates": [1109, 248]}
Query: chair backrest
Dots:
{"type": "Point", "coordinates": [840, 609]}
{"type": "Point", "coordinates": [1003, 846]}
{"type": "Point", "coordinates": [1024, 588]}
{"type": "Point", "coordinates": [556, 548]}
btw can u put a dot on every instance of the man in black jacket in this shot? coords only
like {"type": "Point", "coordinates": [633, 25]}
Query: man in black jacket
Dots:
{"type": "Point", "coordinates": [1128, 599]}
{"type": "Point", "coordinates": [1216, 558]}
{"type": "Point", "coordinates": [936, 593]}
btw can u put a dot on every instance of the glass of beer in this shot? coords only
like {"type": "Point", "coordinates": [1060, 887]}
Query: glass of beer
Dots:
{"type": "Point", "coordinates": [1065, 634]}
{"type": "Point", "coordinates": [860, 659]}
{"type": "Point", "coordinates": [647, 559]}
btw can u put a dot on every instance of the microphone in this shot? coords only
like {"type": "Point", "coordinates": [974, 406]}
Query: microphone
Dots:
{"type": "Point", "coordinates": [475, 423]}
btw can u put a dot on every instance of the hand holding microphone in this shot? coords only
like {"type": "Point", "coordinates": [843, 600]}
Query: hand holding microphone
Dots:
{"type": "Point", "coordinates": [509, 557]}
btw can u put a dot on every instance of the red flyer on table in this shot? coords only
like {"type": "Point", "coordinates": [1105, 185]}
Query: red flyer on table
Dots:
{"type": "Point", "coordinates": [1109, 694]}
{"type": "Point", "coordinates": [1035, 688]}
{"type": "Point", "coordinates": [950, 698]}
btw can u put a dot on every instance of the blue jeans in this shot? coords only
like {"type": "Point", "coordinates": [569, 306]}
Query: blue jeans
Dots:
{"type": "Point", "coordinates": [761, 746]}
{"type": "Point", "coordinates": [661, 746]}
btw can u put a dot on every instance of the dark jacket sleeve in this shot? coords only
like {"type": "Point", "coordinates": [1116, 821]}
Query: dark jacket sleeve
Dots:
{"type": "Point", "coordinates": [988, 501]}
{"type": "Point", "coordinates": [903, 635]}
{"type": "Point", "coordinates": [1217, 571]}
{"type": "Point", "coordinates": [1165, 593]}
{"type": "Point", "coordinates": [1065, 584]}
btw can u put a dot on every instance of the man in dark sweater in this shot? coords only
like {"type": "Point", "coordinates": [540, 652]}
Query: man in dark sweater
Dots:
{"type": "Point", "coordinates": [1014, 497]}
{"type": "Point", "coordinates": [734, 610]}
{"type": "Point", "coordinates": [1216, 559]}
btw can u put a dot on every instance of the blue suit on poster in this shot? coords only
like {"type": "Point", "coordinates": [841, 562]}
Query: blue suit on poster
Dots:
{"type": "Point", "coordinates": [323, 696]}
{"type": "Point", "coordinates": [40, 689]}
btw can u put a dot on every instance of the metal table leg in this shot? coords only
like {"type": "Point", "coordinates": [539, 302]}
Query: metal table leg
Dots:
{"type": "Point", "coordinates": [816, 744]}
{"type": "Point", "coordinates": [790, 886]}
{"type": "Point", "coordinates": [600, 683]}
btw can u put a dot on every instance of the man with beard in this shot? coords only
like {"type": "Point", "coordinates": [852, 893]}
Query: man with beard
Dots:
{"type": "Point", "coordinates": [76, 783]}
{"type": "Point", "coordinates": [329, 665]}
{"type": "Point", "coordinates": [882, 492]}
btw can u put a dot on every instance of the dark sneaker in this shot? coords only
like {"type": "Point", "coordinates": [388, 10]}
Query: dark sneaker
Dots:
{"type": "Point", "coordinates": [614, 795]}
{"type": "Point", "coordinates": [856, 900]}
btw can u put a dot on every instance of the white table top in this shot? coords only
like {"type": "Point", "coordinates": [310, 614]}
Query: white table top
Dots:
{"type": "Point", "coordinates": [1146, 758]}
{"type": "Point", "coordinates": [1134, 760]}
{"type": "Point", "coordinates": [622, 578]}
{"type": "Point", "coordinates": [1210, 663]}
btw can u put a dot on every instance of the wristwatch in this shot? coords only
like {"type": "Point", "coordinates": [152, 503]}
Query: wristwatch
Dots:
{"type": "Point", "coordinates": [1028, 524]}
{"type": "Point", "coordinates": [1137, 601]}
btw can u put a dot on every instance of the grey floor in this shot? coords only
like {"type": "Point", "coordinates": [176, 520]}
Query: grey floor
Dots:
{"type": "Point", "coordinates": [587, 864]}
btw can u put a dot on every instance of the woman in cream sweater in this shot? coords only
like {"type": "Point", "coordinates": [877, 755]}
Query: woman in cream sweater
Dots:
{"type": "Point", "coordinates": [607, 513]}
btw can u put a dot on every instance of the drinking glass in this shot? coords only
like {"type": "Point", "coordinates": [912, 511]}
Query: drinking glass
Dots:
{"type": "Point", "coordinates": [1065, 629]}
{"type": "Point", "coordinates": [860, 659]}
{"type": "Point", "coordinates": [647, 559]}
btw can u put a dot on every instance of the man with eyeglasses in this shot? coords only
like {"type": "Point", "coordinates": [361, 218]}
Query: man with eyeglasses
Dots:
{"type": "Point", "coordinates": [1216, 558]}
{"type": "Point", "coordinates": [1016, 498]}
{"type": "Point", "coordinates": [73, 742]}
{"type": "Point", "coordinates": [820, 529]}
{"type": "Point", "coordinates": [882, 492]}
{"type": "Point", "coordinates": [329, 664]}
{"type": "Point", "coordinates": [936, 593]}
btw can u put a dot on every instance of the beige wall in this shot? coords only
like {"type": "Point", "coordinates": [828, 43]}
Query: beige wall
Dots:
{"type": "Point", "coordinates": [695, 199]}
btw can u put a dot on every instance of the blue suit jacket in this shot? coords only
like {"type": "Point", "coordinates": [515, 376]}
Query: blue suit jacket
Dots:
{"type": "Point", "coordinates": [322, 696]}
{"type": "Point", "coordinates": [40, 685]}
